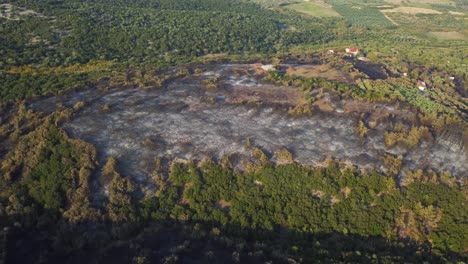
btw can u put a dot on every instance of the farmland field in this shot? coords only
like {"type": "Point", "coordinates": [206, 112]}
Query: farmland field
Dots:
{"type": "Point", "coordinates": [360, 14]}
{"type": "Point", "coordinates": [313, 9]}
{"type": "Point", "coordinates": [412, 10]}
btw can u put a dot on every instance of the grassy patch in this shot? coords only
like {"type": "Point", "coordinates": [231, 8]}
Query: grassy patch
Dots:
{"type": "Point", "coordinates": [420, 2]}
{"type": "Point", "coordinates": [412, 10]}
{"type": "Point", "coordinates": [313, 9]}
{"type": "Point", "coordinates": [453, 35]}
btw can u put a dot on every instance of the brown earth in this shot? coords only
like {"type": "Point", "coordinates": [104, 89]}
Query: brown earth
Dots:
{"type": "Point", "coordinates": [273, 95]}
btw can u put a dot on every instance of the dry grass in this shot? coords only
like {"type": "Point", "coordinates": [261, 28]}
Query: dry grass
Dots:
{"type": "Point", "coordinates": [273, 95]}
{"type": "Point", "coordinates": [319, 71]}
{"type": "Point", "coordinates": [346, 191]}
{"type": "Point", "coordinates": [314, 9]}
{"type": "Point", "coordinates": [224, 204]}
{"type": "Point", "coordinates": [214, 55]}
{"type": "Point", "coordinates": [283, 156]}
{"type": "Point", "coordinates": [456, 13]}
{"type": "Point", "coordinates": [437, 2]}
{"type": "Point", "coordinates": [412, 10]}
{"type": "Point", "coordinates": [324, 105]}
{"type": "Point", "coordinates": [317, 193]}
{"type": "Point", "coordinates": [184, 199]}
{"type": "Point", "coordinates": [333, 199]}
{"type": "Point", "coordinates": [453, 35]}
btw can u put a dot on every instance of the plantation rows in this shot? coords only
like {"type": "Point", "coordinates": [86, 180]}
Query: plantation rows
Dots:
{"type": "Point", "coordinates": [360, 15]}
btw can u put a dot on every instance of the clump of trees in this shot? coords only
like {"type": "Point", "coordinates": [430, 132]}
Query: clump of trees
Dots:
{"type": "Point", "coordinates": [405, 137]}
{"type": "Point", "coordinates": [362, 129]}
{"type": "Point", "coordinates": [51, 170]}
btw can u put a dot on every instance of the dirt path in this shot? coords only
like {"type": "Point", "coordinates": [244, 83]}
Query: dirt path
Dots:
{"type": "Point", "coordinates": [390, 19]}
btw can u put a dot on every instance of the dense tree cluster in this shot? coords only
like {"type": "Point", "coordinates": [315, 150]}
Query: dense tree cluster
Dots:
{"type": "Point", "coordinates": [147, 31]}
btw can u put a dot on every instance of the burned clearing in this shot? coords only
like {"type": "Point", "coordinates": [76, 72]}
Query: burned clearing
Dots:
{"type": "Point", "coordinates": [189, 120]}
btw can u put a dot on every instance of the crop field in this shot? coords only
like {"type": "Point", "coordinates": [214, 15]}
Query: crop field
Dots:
{"type": "Point", "coordinates": [363, 16]}
{"type": "Point", "coordinates": [313, 9]}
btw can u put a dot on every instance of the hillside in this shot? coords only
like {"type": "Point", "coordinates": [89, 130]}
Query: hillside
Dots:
{"type": "Point", "coordinates": [239, 131]}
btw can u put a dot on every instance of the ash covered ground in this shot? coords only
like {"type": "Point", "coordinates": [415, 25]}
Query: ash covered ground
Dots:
{"type": "Point", "coordinates": [186, 120]}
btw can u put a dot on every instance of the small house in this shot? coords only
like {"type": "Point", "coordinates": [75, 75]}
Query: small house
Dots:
{"type": "Point", "coordinates": [330, 51]}
{"type": "Point", "coordinates": [422, 85]}
{"type": "Point", "coordinates": [354, 51]}
{"type": "Point", "coordinates": [452, 78]}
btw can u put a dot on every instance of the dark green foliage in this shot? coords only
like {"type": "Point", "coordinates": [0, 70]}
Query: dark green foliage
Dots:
{"type": "Point", "coordinates": [156, 33]}
{"type": "Point", "coordinates": [147, 31]}
{"type": "Point", "coordinates": [21, 86]}
{"type": "Point", "coordinates": [452, 231]}
{"type": "Point", "coordinates": [331, 200]}
{"type": "Point", "coordinates": [51, 177]}
{"type": "Point", "coordinates": [361, 16]}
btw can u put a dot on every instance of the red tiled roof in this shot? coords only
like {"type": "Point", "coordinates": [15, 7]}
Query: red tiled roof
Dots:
{"type": "Point", "coordinates": [353, 49]}
{"type": "Point", "coordinates": [421, 84]}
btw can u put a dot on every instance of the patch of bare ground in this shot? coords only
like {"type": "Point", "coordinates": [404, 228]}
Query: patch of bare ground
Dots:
{"type": "Point", "coordinates": [272, 95]}
{"type": "Point", "coordinates": [333, 199]}
{"type": "Point", "coordinates": [242, 70]}
{"type": "Point", "coordinates": [257, 68]}
{"type": "Point", "coordinates": [324, 105]}
{"type": "Point", "coordinates": [456, 13]}
{"type": "Point", "coordinates": [319, 71]}
{"type": "Point", "coordinates": [317, 193]}
{"type": "Point", "coordinates": [390, 19]}
{"type": "Point", "coordinates": [223, 204]}
{"type": "Point", "coordinates": [214, 55]}
{"type": "Point", "coordinates": [346, 191]}
{"type": "Point", "coordinates": [412, 10]}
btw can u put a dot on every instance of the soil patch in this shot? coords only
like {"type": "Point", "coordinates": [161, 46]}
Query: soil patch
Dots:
{"type": "Point", "coordinates": [271, 95]}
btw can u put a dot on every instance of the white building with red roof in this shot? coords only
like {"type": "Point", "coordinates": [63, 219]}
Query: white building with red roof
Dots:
{"type": "Point", "coordinates": [353, 50]}
{"type": "Point", "coordinates": [422, 85]}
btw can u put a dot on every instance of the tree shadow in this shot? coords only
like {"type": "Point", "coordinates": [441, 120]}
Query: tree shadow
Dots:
{"type": "Point", "coordinates": [171, 241]}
